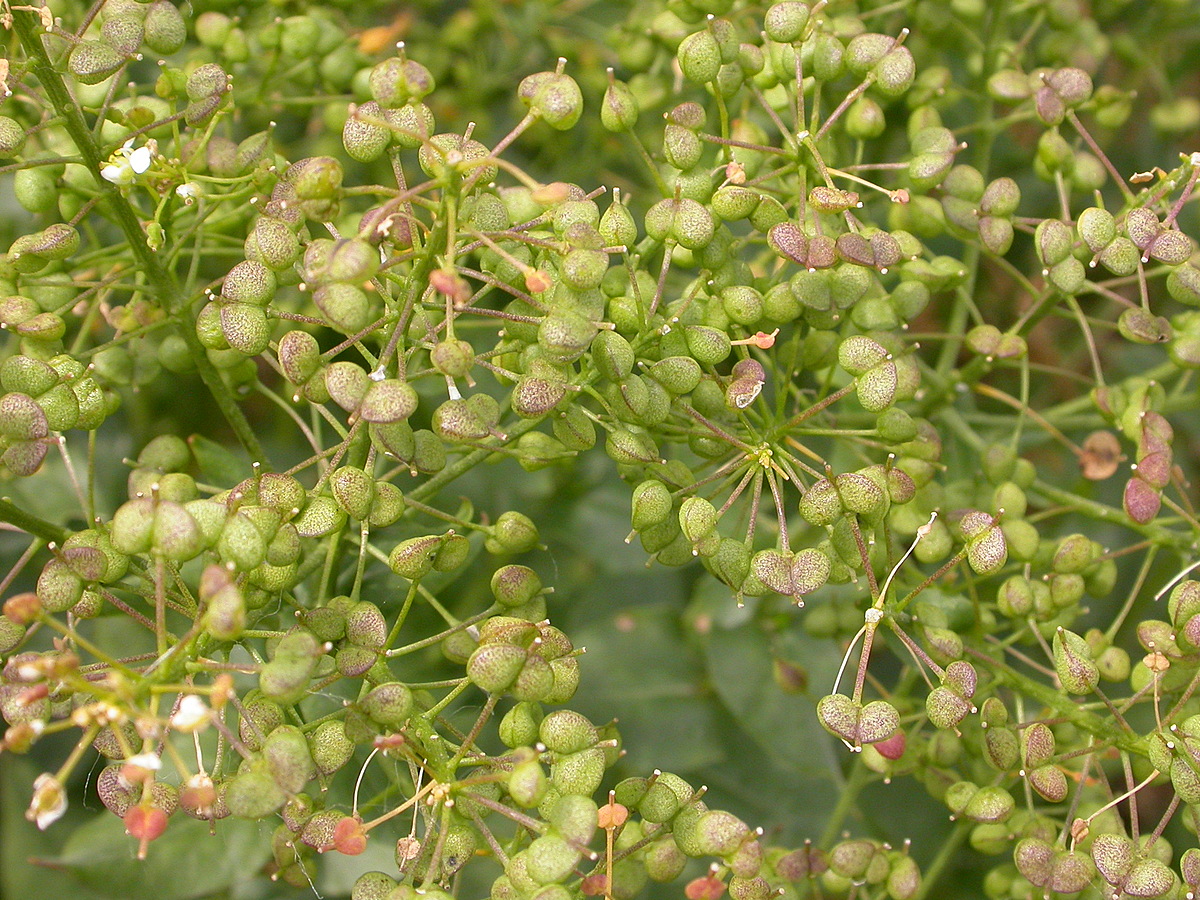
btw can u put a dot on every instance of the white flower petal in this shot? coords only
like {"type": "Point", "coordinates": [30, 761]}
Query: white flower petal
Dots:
{"type": "Point", "coordinates": [140, 159]}
{"type": "Point", "coordinates": [117, 174]}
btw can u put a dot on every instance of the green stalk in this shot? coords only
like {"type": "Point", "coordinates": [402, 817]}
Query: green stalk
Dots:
{"type": "Point", "coordinates": [31, 524]}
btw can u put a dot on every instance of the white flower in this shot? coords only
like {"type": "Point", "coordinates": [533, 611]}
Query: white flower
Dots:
{"type": "Point", "coordinates": [188, 192]}
{"type": "Point", "coordinates": [49, 801]}
{"type": "Point", "coordinates": [128, 162]}
{"type": "Point", "coordinates": [192, 714]}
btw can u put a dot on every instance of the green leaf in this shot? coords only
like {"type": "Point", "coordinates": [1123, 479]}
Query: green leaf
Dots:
{"type": "Point", "coordinates": [186, 862]}
{"type": "Point", "coordinates": [638, 669]}
{"type": "Point", "coordinates": [739, 657]}
{"type": "Point", "coordinates": [218, 465]}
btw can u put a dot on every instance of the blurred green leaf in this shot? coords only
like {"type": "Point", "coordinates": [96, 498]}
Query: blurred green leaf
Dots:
{"type": "Point", "coordinates": [740, 665]}
{"type": "Point", "coordinates": [186, 862]}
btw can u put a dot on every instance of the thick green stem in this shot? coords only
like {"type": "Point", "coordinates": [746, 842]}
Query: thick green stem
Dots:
{"type": "Point", "coordinates": [31, 524]}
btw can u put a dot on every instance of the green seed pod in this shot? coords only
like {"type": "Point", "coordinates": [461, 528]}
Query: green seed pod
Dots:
{"type": "Point", "coordinates": [348, 384]}
{"type": "Point", "coordinates": [244, 328]}
{"type": "Point", "coordinates": [354, 491]}
{"type": "Point", "coordinates": [389, 704]}
{"type": "Point", "coordinates": [534, 397]}
{"type": "Point", "coordinates": [1183, 284]}
{"type": "Point", "coordinates": [613, 355]}
{"type": "Point", "coordinates": [365, 134]}
{"type": "Point", "coordinates": [494, 667]}
{"type": "Point", "coordinates": [785, 22]}
{"type": "Point", "coordinates": [285, 677]}
{"type": "Point", "coordinates": [1097, 227]}
{"type": "Point", "coordinates": [989, 804]}
{"type": "Point", "coordinates": [206, 81]}
{"type": "Point", "coordinates": [617, 226]}
{"type": "Point", "coordinates": [57, 241]}
{"type": "Point", "coordinates": [682, 148]}
{"type": "Point", "coordinates": [578, 773]}
{"type": "Point", "coordinates": [329, 747]}
{"type": "Point", "coordinates": [1072, 86]}
{"type": "Point", "coordinates": [93, 61]}
{"type": "Point", "coordinates": [1121, 256]}
{"type": "Point", "coordinates": [619, 107]}
{"type": "Point", "coordinates": [986, 548]}
{"type": "Point", "coordinates": [708, 346]}
{"type": "Point", "coordinates": [527, 783]}
{"type": "Point", "coordinates": [388, 506]}
{"type": "Point", "coordinates": [513, 532]}
{"type": "Point", "coordinates": [273, 244]}
{"type": "Point", "coordinates": [865, 119]}
{"type": "Point", "coordinates": [397, 81]}
{"type": "Point", "coordinates": [623, 446]}
{"type": "Point", "coordinates": [413, 559]}
{"type": "Point", "coordinates": [299, 356]}
{"type": "Point", "coordinates": [225, 608]}
{"type": "Point", "coordinates": [250, 282]}
{"type": "Point", "coordinates": [1073, 663]}
{"type": "Point", "coordinates": [175, 534]}
{"type": "Point", "coordinates": [58, 587]}
{"type": "Point", "coordinates": [566, 731]}
{"type": "Point", "coordinates": [344, 306]}
{"type": "Point", "coordinates": [320, 516]}
{"type": "Point", "coordinates": [253, 795]}
{"type": "Point", "coordinates": [349, 261]}
{"type": "Point", "coordinates": [565, 336]}
{"type": "Point", "coordinates": [677, 374]}
{"type": "Point", "coordinates": [388, 401]}
{"type": "Point", "coordinates": [28, 376]}
{"type": "Point", "coordinates": [37, 190]}
{"type": "Point", "coordinates": [453, 358]}
{"type": "Point", "coordinates": [519, 727]}
{"type": "Point", "coordinates": [651, 504]}
{"type": "Point", "coordinates": [241, 543]}
{"type": "Point", "coordinates": [551, 859]}
{"type": "Point", "coordinates": [1143, 327]}
{"type": "Point", "coordinates": [366, 626]}
{"type": "Point", "coordinates": [166, 30]}
{"type": "Point", "coordinates": [699, 57]}
{"type": "Point", "coordinates": [895, 72]}
{"type": "Point", "coordinates": [553, 97]}
{"type": "Point", "coordinates": [12, 137]}
{"type": "Point", "coordinates": [857, 724]}
{"type": "Point", "coordinates": [827, 57]}
{"type": "Point", "coordinates": [514, 585]}
{"type": "Point", "coordinates": [287, 758]}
